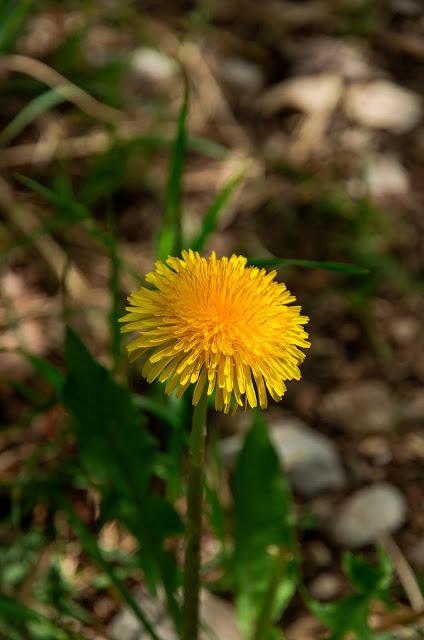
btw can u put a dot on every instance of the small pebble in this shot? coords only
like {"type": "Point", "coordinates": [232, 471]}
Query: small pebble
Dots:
{"type": "Point", "coordinates": [369, 514]}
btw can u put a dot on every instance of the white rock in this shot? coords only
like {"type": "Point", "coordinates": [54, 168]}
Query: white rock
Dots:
{"type": "Point", "coordinates": [310, 94]}
{"type": "Point", "coordinates": [385, 176]}
{"type": "Point", "coordinates": [219, 620]}
{"type": "Point", "coordinates": [242, 74]}
{"type": "Point", "coordinates": [365, 407]}
{"type": "Point", "coordinates": [308, 457]}
{"type": "Point", "coordinates": [369, 514]}
{"type": "Point", "coordinates": [152, 65]}
{"type": "Point", "coordinates": [381, 104]}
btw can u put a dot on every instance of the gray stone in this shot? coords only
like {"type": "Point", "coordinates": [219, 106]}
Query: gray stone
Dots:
{"type": "Point", "coordinates": [309, 458]}
{"type": "Point", "coordinates": [381, 104]}
{"type": "Point", "coordinates": [365, 407]}
{"type": "Point", "coordinates": [218, 617]}
{"type": "Point", "coordinates": [368, 515]}
{"type": "Point", "coordinates": [326, 586]}
{"type": "Point", "coordinates": [242, 74]}
{"type": "Point", "coordinates": [153, 65]}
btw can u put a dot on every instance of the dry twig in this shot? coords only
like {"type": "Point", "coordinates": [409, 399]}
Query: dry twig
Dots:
{"type": "Point", "coordinates": [405, 573]}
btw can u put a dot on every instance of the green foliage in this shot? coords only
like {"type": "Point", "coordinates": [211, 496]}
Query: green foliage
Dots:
{"type": "Point", "coordinates": [55, 591]}
{"type": "Point", "coordinates": [12, 16]}
{"type": "Point", "coordinates": [341, 267]}
{"type": "Point", "coordinates": [46, 370]}
{"type": "Point", "coordinates": [40, 104]}
{"type": "Point", "coordinates": [18, 557]}
{"type": "Point", "coordinates": [215, 210]}
{"type": "Point", "coordinates": [22, 623]}
{"type": "Point", "coordinates": [350, 615]}
{"type": "Point", "coordinates": [93, 550]}
{"type": "Point", "coordinates": [264, 540]}
{"type": "Point", "coordinates": [170, 239]}
{"type": "Point", "coordinates": [107, 424]}
{"type": "Point", "coordinates": [119, 455]}
{"type": "Point", "coordinates": [115, 308]}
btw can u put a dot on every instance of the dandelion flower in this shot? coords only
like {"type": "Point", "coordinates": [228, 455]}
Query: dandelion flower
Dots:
{"type": "Point", "coordinates": [218, 324]}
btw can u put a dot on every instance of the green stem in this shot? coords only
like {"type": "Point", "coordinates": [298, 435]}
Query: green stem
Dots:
{"type": "Point", "coordinates": [194, 520]}
{"type": "Point", "coordinates": [264, 621]}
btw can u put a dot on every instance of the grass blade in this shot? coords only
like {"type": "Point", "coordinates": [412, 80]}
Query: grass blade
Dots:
{"type": "Point", "coordinates": [170, 240]}
{"type": "Point", "coordinates": [341, 267]}
{"type": "Point", "coordinates": [12, 15]}
{"type": "Point", "coordinates": [71, 213]}
{"type": "Point", "coordinates": [74, 209]}
{"type": "Point", "coordinates": [37, 106]}
{"type": "Point", "coordinates": [92, 549]}
{"type": "Point", "coordinates": [46, 370]}
{"type": "Point", "coordinates": [212, 215]}
{"type": "Point", "coordinates": [12, 612]}
{"type": "Point", "coordinates": [115, 309]}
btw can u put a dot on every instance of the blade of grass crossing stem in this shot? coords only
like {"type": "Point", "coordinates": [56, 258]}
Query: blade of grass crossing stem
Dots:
{"type": "Point", "coordinates": [341, 267]}
{"type": "Point", "coordinates": [72, 212]}
{"type": "Point", "coordinates": [115, 310]}
{"type": "Point", "coordinates": [212, 215]}
{"type": "Point", "coordinates": [32, 110]}
{"type": "Point", "coordinates": [12, 15]}
{"type": "Point", "coordinates": [170, 240]}
{"type": "Point", "coordinates": [93, 550]}
{"type": "Point", "coordinates": [74, 209]}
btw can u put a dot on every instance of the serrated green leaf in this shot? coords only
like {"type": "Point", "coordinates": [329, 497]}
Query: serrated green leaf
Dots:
{"type": "Point", "coordinates": [347, 615]}
{"type": "Point", "coordinates": [114, 446]}
{"type": "Point", "coordinates": [341, 267]}
{"type": "Point", "coordinates": [365, 577]}
{"type": "Point", "coordinates": [120, 455]}
{"type": "Point", "coordinates": [263, 522]}
{"type": "Point", "coordinates": [350, 615]}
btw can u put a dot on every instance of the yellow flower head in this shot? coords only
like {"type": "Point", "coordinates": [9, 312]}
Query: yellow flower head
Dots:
{"type": "Point", "coordinates": [219, 324]}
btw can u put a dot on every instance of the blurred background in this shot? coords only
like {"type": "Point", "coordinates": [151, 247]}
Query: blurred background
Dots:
{"type": "Point", "coordinates": [307, 117]}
